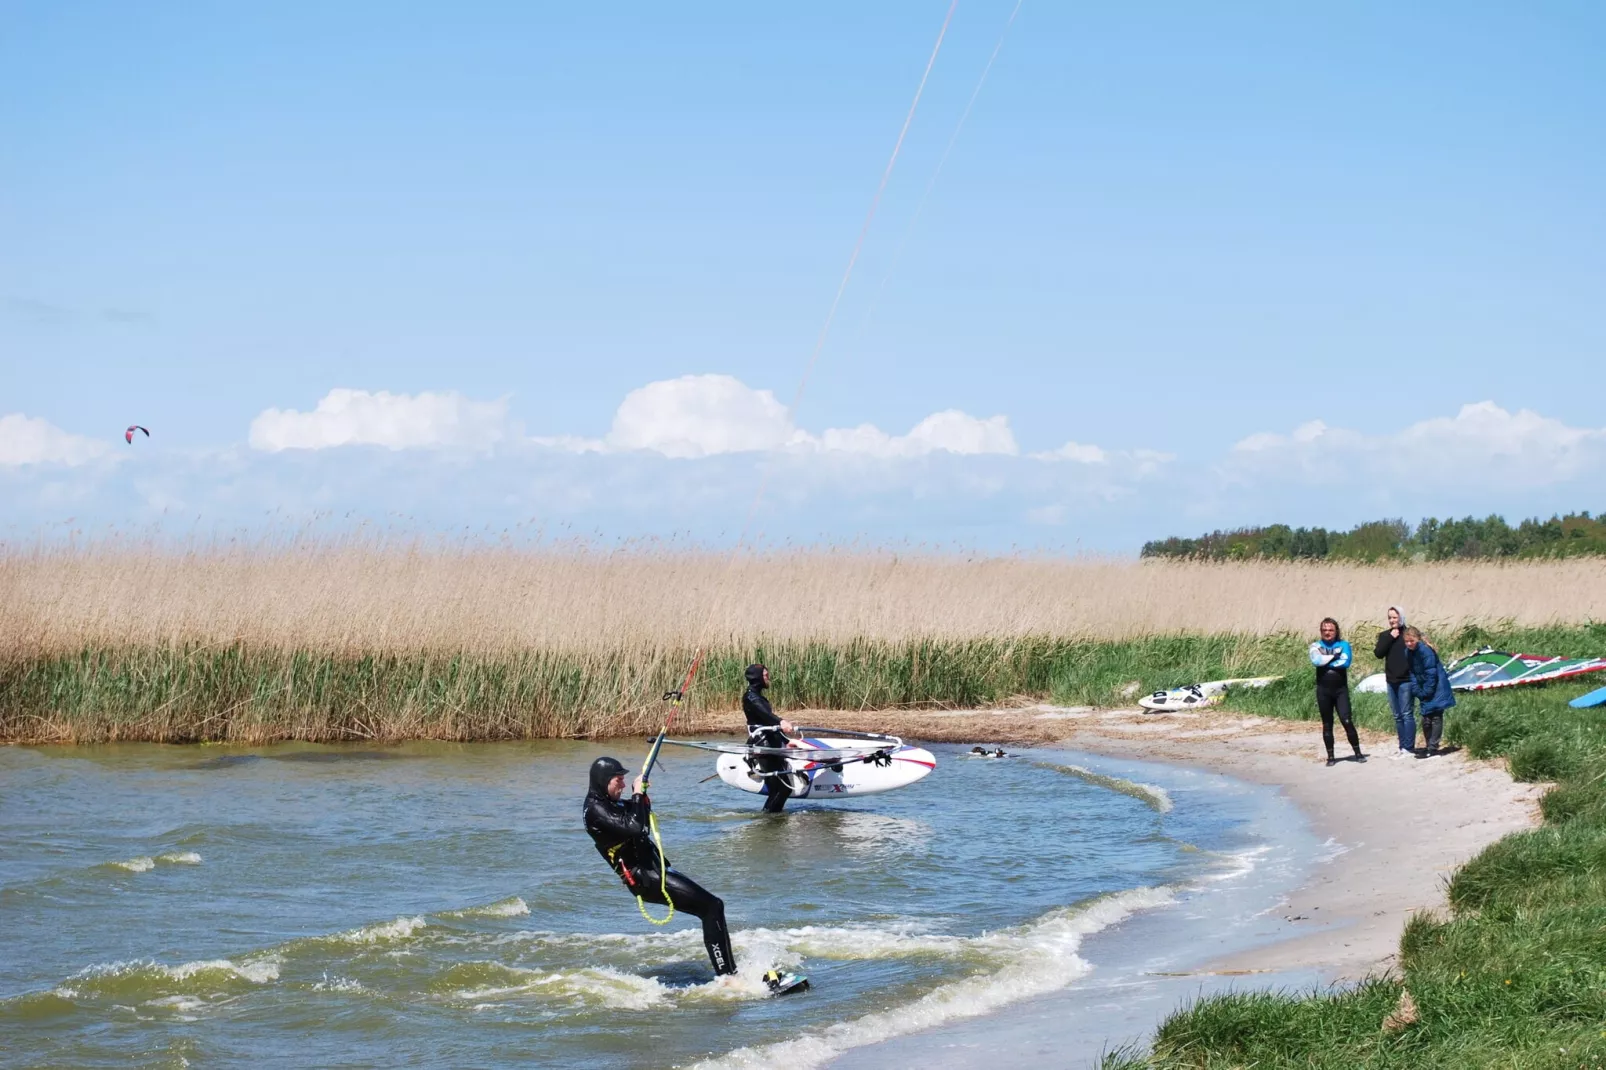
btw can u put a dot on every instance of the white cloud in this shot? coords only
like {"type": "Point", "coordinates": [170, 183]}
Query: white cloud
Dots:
{"type": "Point", "coordinates": [700, 416]}
{"type": "Point", "coordinates": [706, 415]}
{"type": "Point", "coordinates": [1481, 440]}
{"type": "Point", "coordinates": [397, 421]}
{"type": "Point", "coordinates": [32, 440]}
{"type": "Point", "coordinates": [1075, 451]}
{"type": "Point", "coordinates": [949, 431]}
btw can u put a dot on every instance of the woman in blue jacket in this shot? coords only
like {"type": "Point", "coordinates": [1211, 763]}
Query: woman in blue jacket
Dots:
{"type": "Point", "coordinates": [1332, 656]}
{"type": "Point", "coordinates": [1431, 684]}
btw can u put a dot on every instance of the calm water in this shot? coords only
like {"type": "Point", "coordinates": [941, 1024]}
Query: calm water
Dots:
{"type": "Point", "coordinates": [440, 905]}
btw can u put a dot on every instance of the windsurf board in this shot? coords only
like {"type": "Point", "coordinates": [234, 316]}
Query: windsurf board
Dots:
{"type": "Point", "coordinates": [831, 780]}
{"type": "Point", "coordinates": [1194, 696]}
{"type": "Point", "coordinates": [1596, 697]}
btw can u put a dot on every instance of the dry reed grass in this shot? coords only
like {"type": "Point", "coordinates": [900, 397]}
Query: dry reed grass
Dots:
{"type": "Point", "coordinates": [331, 642]}
{"type": "Point", "coordinates": [347, 598]}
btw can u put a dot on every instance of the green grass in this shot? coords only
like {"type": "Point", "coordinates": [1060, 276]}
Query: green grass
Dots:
{"type": "Point", "coordinates": [1515, 976]}
{"type": "Point", "coordinates": [243, 693]}
{"type": "Point", "coordinates": [254, 694]}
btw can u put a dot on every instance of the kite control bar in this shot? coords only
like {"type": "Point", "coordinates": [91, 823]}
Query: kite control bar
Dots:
{"type": "Point", "coordinates": [674, 698]}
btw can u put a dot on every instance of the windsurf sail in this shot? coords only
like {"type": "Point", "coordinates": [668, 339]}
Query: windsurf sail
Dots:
{"type": "Point", "coordinates": [1487, 669]}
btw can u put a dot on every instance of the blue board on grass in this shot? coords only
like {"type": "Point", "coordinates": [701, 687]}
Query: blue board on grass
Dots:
{"type": "Point", "coordinates": [1596, 697]}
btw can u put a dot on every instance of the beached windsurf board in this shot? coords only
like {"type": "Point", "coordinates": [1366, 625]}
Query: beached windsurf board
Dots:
{"type": "Point", "coordinates": [1194, 696]}
{"type": "Point", "coordinates": [832, 776]}
{"type": "Point", "coordinates": [1596, 697]}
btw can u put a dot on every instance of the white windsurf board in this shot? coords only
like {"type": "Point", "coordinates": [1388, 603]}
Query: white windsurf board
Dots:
{"type": "Point", "coordinates": [832, 779]}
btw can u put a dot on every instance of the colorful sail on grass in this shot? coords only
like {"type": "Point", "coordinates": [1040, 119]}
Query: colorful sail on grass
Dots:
{"type": "Point", "coordinates": [1488, 669]}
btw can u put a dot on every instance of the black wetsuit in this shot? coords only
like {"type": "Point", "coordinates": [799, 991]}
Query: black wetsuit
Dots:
{"type": "Point", "coordinates": [764, 730]}
{"type": "Point", "coordinates": [622, 835]}
{"type": "Point", "coordinates": [1332, 696]}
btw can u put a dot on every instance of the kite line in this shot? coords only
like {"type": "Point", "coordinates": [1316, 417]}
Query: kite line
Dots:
{"type": "Point", "coordinates": [920, 206]}
{"type": "Point", "coordinates": [677, 697]}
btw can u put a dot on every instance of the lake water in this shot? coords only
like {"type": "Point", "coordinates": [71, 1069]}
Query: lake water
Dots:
{"type": "Point", "coordinates": [441, 905]}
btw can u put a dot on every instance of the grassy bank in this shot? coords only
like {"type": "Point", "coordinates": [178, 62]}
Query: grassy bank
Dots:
{"type": "Point", "coordinates": [1514, 975]}
{"type": "Point", "coordinates": [255, 693]}
{"type": "Point", "coordinates": [251, 693]}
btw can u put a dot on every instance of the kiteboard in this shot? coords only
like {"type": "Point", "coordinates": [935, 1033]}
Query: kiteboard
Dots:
{"type": "Point", "coordinates": [784, 982]}
{"type": "Point", "coordinates": [1194, 696]}
{"type": "Point", "coordinates": [1596, 697]}
{"type": "Point", "coordinates": [824, 763]}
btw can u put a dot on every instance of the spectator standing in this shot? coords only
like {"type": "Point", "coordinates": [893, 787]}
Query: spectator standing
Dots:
{"type": "Point", "coordinates": [1431, 682]}
{"type": "Point", "coordinates": [1397, 671]}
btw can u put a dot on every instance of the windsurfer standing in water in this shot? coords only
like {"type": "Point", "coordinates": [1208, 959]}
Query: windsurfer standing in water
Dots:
{"type": "Point", "coordinates": [621, 829]}
{"type": "Point", "coordinates": [765, 729]}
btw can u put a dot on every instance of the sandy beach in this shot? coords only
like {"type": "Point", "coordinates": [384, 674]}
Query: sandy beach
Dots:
{"type": "Point", "coordinates": [1400, 826]}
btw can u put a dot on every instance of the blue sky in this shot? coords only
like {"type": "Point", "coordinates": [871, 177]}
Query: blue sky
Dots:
{"type": "Point", "coordinates": [1169, 236]}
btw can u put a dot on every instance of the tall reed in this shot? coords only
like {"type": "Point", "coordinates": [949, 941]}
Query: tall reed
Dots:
{"type": "Point", "coordinates": [354, 640]}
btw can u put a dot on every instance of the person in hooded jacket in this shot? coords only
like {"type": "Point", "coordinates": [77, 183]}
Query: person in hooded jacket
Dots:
{"type": "Point", "coordinates": [1431, 682]}
{"type": "Point", "coordinates": [621, 830]}
{"type": "Point", "coordinates": [765, 729]}
{"type": "Point", "coordinates": [1397, 673]}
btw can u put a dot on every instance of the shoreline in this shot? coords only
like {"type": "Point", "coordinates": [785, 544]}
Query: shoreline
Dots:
{"type": "Point", "coordinates": [1405, 825]}
{"type": "Point", "coordinates": [1396, 830]}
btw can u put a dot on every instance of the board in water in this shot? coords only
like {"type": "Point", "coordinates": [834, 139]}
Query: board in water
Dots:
{"type": "Point", "coordinates": [784, 983]}
{"type": "Point", "coordinates": [830, 766]}
{"type": "Point", "coordinates": [1194, 696]}
{"type": "Point", "coordinates": [1596, 697]}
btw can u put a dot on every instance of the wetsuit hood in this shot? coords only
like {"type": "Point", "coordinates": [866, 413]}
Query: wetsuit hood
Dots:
{"type": "Point", "coordinates": [755, 677]}
{"type": "Point", "coordinates": [604, 770]}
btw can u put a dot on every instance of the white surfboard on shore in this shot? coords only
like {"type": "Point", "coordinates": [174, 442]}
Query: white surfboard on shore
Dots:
{"type": "Point", "coordinates": [1375, 684]}
{"type": "Point", "coordinates": [1194, 696]}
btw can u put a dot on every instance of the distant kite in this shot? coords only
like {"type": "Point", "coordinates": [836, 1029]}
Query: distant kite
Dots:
{"type": "Point", "coordinates": [128, 435]}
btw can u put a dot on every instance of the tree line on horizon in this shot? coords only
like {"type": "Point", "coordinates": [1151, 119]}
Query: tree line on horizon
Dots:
{"type": "Point", "coordinates": [1572, 535]}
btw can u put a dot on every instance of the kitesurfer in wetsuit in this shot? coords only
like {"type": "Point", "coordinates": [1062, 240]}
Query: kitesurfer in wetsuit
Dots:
{"type": "Point", "coordinates": [765, 729]}
{"type": "Point", "coordinates": [1332, 656]}
{"type": "Point", "coordinates": [621, 830]}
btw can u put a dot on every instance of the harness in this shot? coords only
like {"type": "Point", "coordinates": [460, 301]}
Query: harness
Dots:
{"type": "Point", "coordinates": [663, 874]}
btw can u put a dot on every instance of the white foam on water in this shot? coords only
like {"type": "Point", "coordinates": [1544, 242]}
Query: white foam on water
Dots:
{"type": "Point", "coordinates": [1331, 850]}
{"type": "Point", "coordinates": [590, 985]}
{"type": "Point", "coordinates": [181, 1006]}
{"type": "Point", "coordinates": [1040, 957]}
{"type": "Point", "coordinates": [511, 907]}
{"type": "Point", "coordinates": [338, 984]}
{"type": "Point", "coordinates": [145, 863]}
{"type": "Point", "coordinates": [1238, 864]}
{"type": "Point", "coordinates": [858, 943]}
{"type": "Point", "coordinates": [381, 932]}
{"type": "Point", "coordinates": [110, 977]}
{"type": "Point", "coordinates": [179, 858]}
{"type": "Point", "coordinates": [902, 938]}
